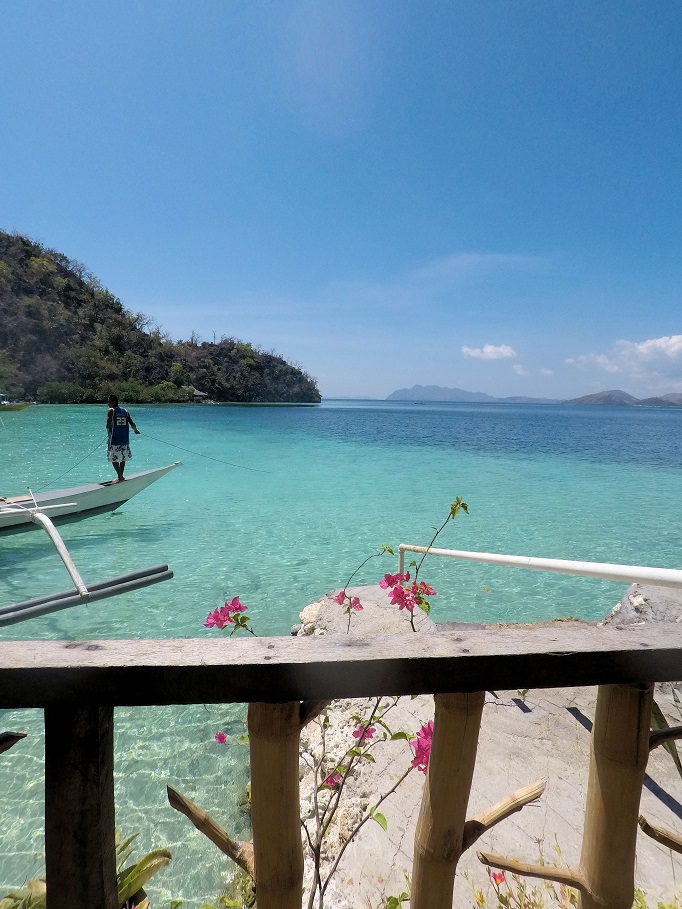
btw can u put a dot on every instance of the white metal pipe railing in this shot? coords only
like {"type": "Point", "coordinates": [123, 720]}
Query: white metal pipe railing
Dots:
{"type": "Point", "coordinates": [42, 519]}
{"type": "Point", "coordinates": [630, 574]}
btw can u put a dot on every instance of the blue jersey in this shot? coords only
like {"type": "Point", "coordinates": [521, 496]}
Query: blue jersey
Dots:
{"type": "Point", "coordinates": [119, 433]}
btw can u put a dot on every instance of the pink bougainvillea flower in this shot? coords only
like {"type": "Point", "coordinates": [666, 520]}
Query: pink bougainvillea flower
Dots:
{"type": "Point", "coordinates": [403, 599]}
{"type": "Point", "coordinates": [355, 604]}
{"type": "Point", "coordinates": [340, 597]}
{"type": "Point", "coordinates": [361, 733]}
{"type": "Point", "coordinates": [390, 580]}
{"type": "Point", "coordinates": [422, 747]}
{"type": "Point", "coordinates": [235, 606]}
{"type": "Point", "coordinates": [332, 780]}
{"type": "Point", "coordinates": [498, 877]}
{"type": "Point", "coordinates": [219, 618]}
{"type": "Point", "coordinates": [424, 588]}
{"type": "Point", "coordinates": [220, 738]}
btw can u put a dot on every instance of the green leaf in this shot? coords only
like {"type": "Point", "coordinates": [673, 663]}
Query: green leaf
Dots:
{"type": "Point", "coordinates": [136, 876]}
{"type": "Point", "coordinates": [124, 849]}
{"type": "Point", "coordinates": [381, 820]}
{"type": "Point", "coordinates": [387, 549]}
{"type": "Point", "coordinates": [401, 735]}
{"type": "Point", "coordinates": [457, 505]}
{"type": "Point", "coordinates": [369, 757]}
{"type": "Point", "coordinates": [424, 607]}
{"type": "Point", "coordinates": [243, 739]}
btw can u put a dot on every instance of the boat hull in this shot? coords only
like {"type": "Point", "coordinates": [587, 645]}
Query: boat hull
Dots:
{"type": "Point", "coordinates": [67, 505]}
{"type": "Point", "coordinates": [5, 407]}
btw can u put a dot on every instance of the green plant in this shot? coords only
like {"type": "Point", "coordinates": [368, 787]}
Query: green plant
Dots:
{"type": "Point", "coordinates": [131, 878]}
{"type": "Point", "coordinates": [395, 902]}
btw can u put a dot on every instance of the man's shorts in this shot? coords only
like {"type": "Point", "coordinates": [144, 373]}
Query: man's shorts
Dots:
{"type": "Point", "coordinates": [119, 453]}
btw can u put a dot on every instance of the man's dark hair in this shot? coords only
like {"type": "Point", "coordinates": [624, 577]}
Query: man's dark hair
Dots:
{"type": "Point", "coordinates": [114, 398]}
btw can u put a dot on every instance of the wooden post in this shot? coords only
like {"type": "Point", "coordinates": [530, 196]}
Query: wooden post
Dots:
{"type": "Point", "coordinates": [79, 808]}
{"type": "Point", "coordinates": [274, 733]}
{"type": "Point", "coordinates": [440, 828]}
{"type": "Point", "coordinates": [618, 756]}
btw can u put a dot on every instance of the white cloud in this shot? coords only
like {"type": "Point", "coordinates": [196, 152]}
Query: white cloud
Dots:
{"type": "Point", "coordinates": [489, 352]}
{"type": "Point", "coordinates": [656, 362]}
{"type": "Point", "coordinates": [600, 360]}
{"type": "Point", "coordinates": [546, 372]}
{"type": "Point", "coordinates": [520, 370]}
{"type": "Point", "coordinates": [656, 348]}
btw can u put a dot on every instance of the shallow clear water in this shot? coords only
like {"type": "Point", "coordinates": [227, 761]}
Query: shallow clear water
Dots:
{"type": "Point", "coordinates": [325, 486]}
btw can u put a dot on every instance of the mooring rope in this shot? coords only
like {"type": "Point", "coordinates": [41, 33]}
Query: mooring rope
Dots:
{"type": "Point", "coordinates": [208, 457]}
{"type": "Point", "coordinates": [198, 454]}
{"type": "Point", "coordinates": [73, 466]}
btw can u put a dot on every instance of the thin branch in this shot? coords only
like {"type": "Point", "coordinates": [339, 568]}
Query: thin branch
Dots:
{"type": "Point", "coordinates": [328, 813]}
{"type": "Point", "coordinates": [661, 736]}
{"type": "Point", "coordinates": [568, 876]}
{"type": "Point", "coordinates": [240, 853]}
{"type": "Point", "coordinates": [315, 884]}
{"type": "Point", "coordinates": [662, 835]}
{"type": "Point", "coordinates": [482, 822]}
{"type": "Point", "coordinates": [374, 555]}
{"type": "Point", "coordinates": [316, 848]}
{"type": "Point", "coordinates": [307, 759]}
{"type": "Point", "coordinates": [7, 739]}
{"type": "Point", "coordinates": [354, 832]}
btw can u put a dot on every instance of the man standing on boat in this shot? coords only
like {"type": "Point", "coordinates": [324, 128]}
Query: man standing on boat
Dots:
{"type": "Point", "coordinates": [118, 447]}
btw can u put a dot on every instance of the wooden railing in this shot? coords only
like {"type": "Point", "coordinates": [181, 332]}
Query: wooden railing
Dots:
{"type": "Point", "coordinates": [78, 684]}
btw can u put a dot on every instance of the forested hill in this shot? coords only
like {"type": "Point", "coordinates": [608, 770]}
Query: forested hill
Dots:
{"type": "Point", "coordinates": [65, 338]}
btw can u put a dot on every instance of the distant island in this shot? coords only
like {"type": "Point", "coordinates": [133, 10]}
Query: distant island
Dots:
{"type": "Point", "coordinates": [66, 339]}
{"type": "Point", "coordinates": [437, 393]}
{"type": "Point", "coordinates": [424, 393]}
{"type": "Point", "coordinates": [622, 398]}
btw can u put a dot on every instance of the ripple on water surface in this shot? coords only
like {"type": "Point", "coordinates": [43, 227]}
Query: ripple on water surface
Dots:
{"type": "Point", "coordinates": [324, 488]}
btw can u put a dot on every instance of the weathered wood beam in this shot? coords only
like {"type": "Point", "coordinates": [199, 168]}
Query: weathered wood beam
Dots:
{"type": "Point", "coordinates": [662, 835]}
{"type": "Point", "coordinates": [282, 669]}
{"type": "Point", "coordinates": [80, 852]}
{"type": "Point", "coordinates": [619, 750]}
{"type": "Point", "coordinates": [274, 738]}
{"type": "Point", "coordinates": [440, 827]}
{"type": "Point", "coordinates": [476, 826]}
{"type": "Point", "coordinates": [8, 739]}
{"type": "Point", "coordinates": [241, 853]}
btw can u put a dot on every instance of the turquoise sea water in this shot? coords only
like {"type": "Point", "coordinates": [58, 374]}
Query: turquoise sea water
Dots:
{"type": "Point", "coordinates": [325, 486]}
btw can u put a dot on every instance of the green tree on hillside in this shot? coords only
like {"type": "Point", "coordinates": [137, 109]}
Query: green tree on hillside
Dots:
{"type": "Point", "coordinates": [63, 336]}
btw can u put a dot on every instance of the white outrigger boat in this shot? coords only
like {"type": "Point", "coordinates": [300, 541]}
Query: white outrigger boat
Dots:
{"type": "Point", "coordinates": [19, 513]}
{"type": "Point", "coordinates": [16, 512]}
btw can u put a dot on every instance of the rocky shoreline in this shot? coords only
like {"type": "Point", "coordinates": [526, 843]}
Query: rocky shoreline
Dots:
{"type": "Point", "coordinates": [542, 734]}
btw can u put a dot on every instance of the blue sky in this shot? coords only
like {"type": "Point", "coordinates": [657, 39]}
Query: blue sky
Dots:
{"type": "Point", "coordinates": [484, 195]}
